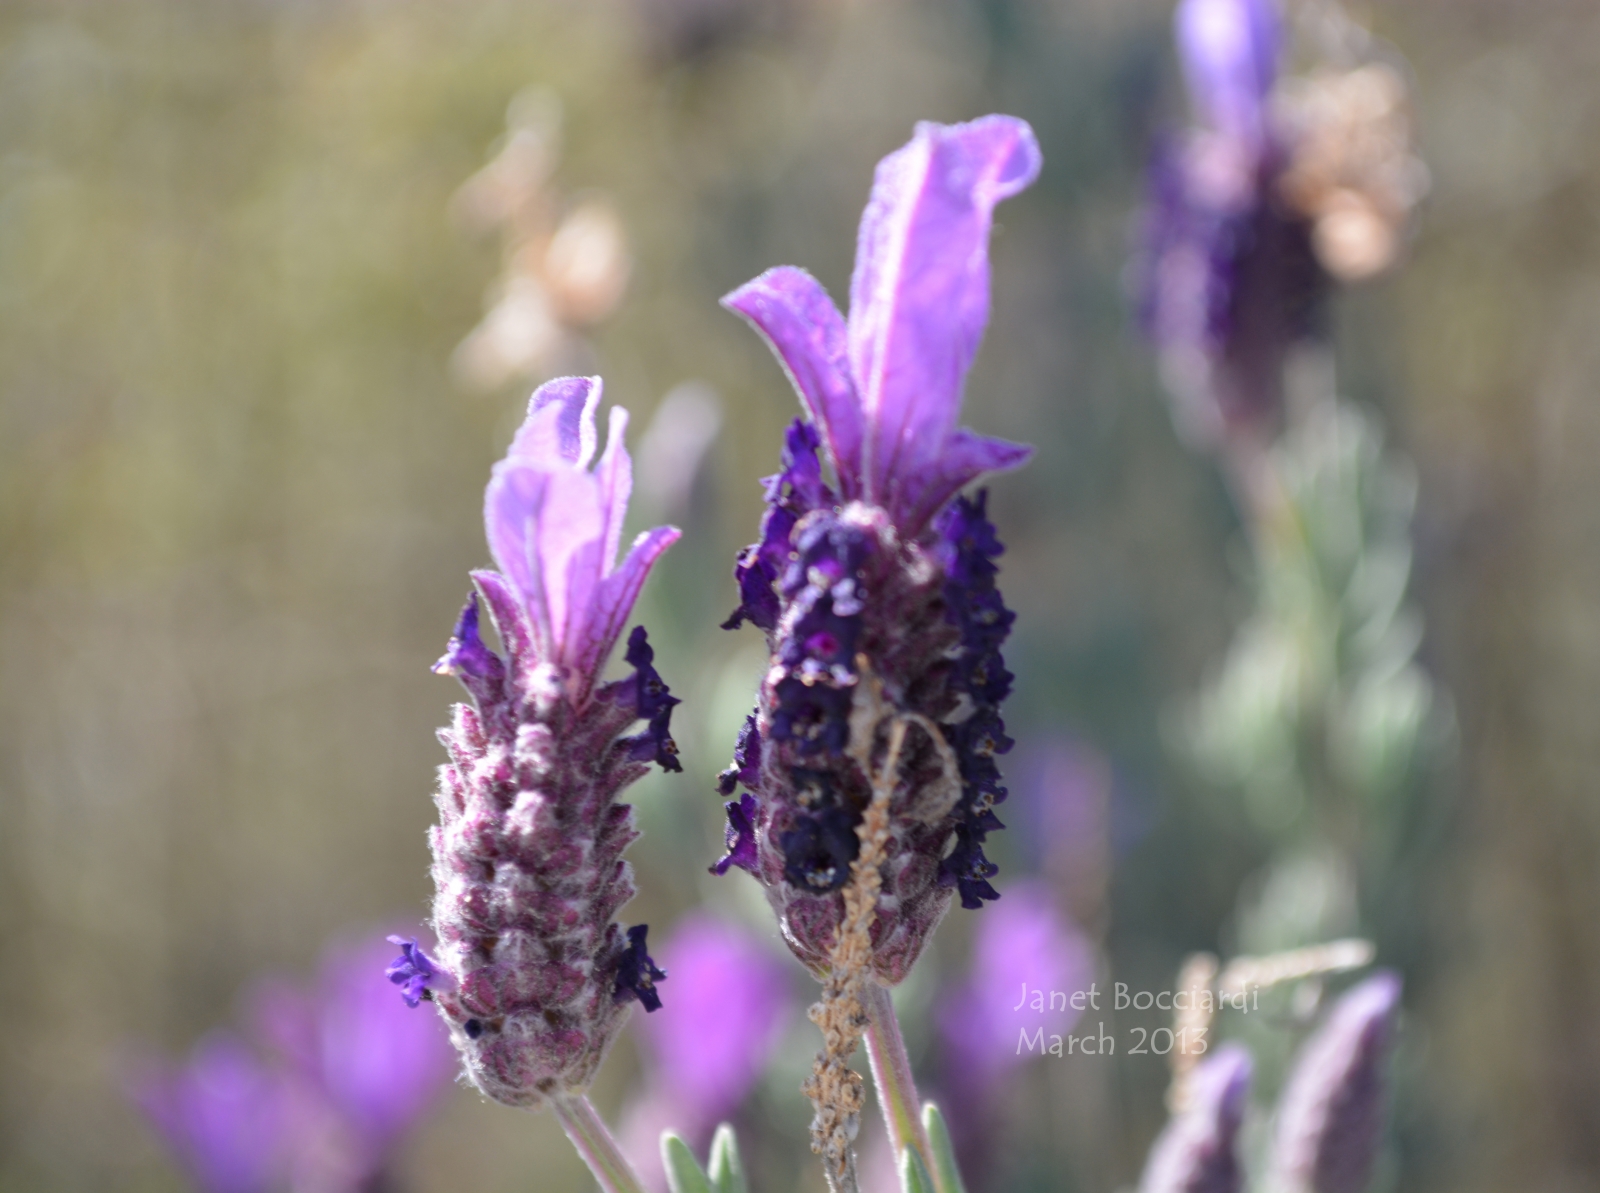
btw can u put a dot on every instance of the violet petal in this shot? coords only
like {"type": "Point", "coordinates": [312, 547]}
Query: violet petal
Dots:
{"type": "Point", "coordinates": [794, 314]}
{"type": "Point", "coordinates": [919, 297]}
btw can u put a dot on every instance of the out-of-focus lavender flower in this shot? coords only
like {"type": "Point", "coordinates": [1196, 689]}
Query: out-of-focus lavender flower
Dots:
{"type": "Point", "coordinates": [730, 1000]}
{"type": "Point", "coordinates": [534, 976]}
{"type": "Point", "coordinates": [1196, 1151]}
{"type": "Point", "coordinates": [1229, 50]}
{"type": "Point", "coordinates": [878, 596]}
{"type": "Point", "coordinates": [1331, 1114]}
{"type": "Point", "coordinates": [1230, 283]}
{"type": "Point", "coordinates": [1282, 187]}
{"type": "Point", "coordinates": [360, 1056]}
{"type": "Point", "coordinates": [1028, 961]}
{"type": "Point", "coordinates": [1024, 948]}
{"type": "Point", "coordinates": [225, 1117]}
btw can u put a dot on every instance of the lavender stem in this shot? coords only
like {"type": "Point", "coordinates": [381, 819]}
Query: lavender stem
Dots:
{"type": "Point", "coordinates": [891, 1073]}
{"type": "Point", "coordinates": [583, 1125]}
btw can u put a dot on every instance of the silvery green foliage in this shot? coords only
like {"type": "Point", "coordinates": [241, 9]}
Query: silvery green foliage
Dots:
{"type": "Point", "coordinates": [724, 1170]}
{"type": "Point", "coordinates": [1320, 694]}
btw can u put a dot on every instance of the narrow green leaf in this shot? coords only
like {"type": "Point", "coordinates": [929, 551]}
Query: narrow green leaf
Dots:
{"type": "Point", "coordinates": [684, 1174]}
{"type": "Point", "coordinates": [726, 1168]}
{"type": "Point", "coordinates": [914, 1176]}
{"type": "Point", "coordinates": [947, 1175]}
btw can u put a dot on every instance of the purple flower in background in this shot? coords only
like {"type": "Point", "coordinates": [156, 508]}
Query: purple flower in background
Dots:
{"type": "Point", "coordinates": [1331, 1113]}
{"type": "Point", "coordinates": [876, 592]}
{"type": "Point", "coordinates": [1024, 947]}
{"type": "Point", "coordinates": [1197, 1150]}
{"type": "Point", "coordinates": [1229, 50]}
{"type": "Point", "coordinates": [225, 1117]}
{"type": "Point", "coordinates": [534, 976]}
{"type": "Point", "coordinates": [1230, 280]}
{"type": "Point", "coordinates": [360, 1055]}
{"type": "Point", "coordinates": [730, 1000]}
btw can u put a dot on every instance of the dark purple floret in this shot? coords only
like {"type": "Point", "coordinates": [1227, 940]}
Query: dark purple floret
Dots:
{"type": "Point", "coordinates": [413, 971]}
{"type": "Point", "coordinates": [746, 768]}
{"type": "Point", "coordinates": [740, 836]}
{"type": "Point", "coordinates": [790, 495]}
{"type": "Point", "coordinates": [637, 973]}
{"type": "Point", "coordinates": [466, 657]}
{"type": "Point", "coordinates": [819, 848]}
{"type": "Point", "coordinates": [654, 703]}
{"type": "Point", "coordinates": [968, 870]}
{"type": "Point", "coordinates": [823, 584]}
{"type": "Point", "coordinates": [969, 549]}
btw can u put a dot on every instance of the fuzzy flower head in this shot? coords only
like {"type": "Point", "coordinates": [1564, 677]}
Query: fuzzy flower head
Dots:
{"type": "Point", "coordinates": [876, 588]}
{"type": "Point", "coordinates": [533, 976]}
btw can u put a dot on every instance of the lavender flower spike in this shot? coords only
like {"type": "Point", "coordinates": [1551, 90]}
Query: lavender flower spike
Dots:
{"type": "Point", "coordinates": [878, 599]}
{"type": "Point", "coordinates": [1330, 1118]}
{"type": "Point", "coordinates": [1196, 1152]}
{"type": "Point", "coordinates": [532, 974]}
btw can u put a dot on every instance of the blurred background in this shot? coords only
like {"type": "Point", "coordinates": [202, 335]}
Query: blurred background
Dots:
{"type": "Point", "coordinates": [259, 347]}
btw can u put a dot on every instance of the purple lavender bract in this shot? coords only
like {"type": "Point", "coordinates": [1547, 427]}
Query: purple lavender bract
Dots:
{"type": "Point", "coordinates": [1330, 1117]}
{"type": "Point", "coordinates": [1196, 1152]}
{"type": "Point", "coordinates": [882, 582]}
{"type": "Point", "coordinates": [535, 976]}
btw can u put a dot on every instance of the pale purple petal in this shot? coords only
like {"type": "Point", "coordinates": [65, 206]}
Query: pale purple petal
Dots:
{"type": "Point", "coordinates": [559, 428]}
{"type": "Point", "coordinates": [966, 456]}
{"type": "Point", "coordinates": [507, 613]}
{"type": "Point", "coordinates": [919, 299]}
{"type": "Point", "coordinates": [554, 528]}
{"type": "Point", "coordinates": [794, 314]}
{"type": "Point", "coordinates": [614, 598]}
{"type": "Point", "coordinates": [545, 527]}
{"type": "Point", "coordinates": [1229, 50]}
{"type": "Point", "coordinates": [615, 476]}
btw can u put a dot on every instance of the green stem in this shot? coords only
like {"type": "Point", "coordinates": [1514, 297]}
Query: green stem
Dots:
{"type": "Point", "coordinates": [891, 1073]}
{"type": "Point", "coordinates": [599, 1150]}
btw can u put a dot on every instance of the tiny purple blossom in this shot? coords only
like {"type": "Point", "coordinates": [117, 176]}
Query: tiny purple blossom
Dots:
{"type": "Point", "coordinates": [412, 971]}
{"type": "Point", "coordinates": [224, 1116]}
{"type": "Point", "coordinates": [1331, 1113]}
{"type": "Point", "coordinates": [1197, 1152]}
{"type": "Point", "coordinates": [740, 836]}
{"type": "Point", "coordinates": [884, 388]}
